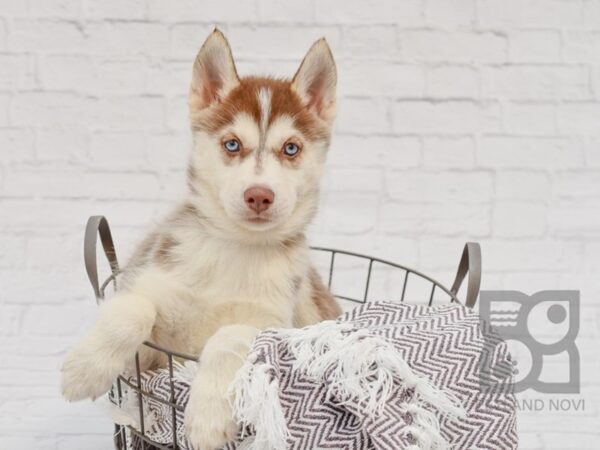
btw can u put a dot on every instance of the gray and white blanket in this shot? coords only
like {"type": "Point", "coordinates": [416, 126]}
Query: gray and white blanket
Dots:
{"type": "Point", "coordinates": [384, 376]}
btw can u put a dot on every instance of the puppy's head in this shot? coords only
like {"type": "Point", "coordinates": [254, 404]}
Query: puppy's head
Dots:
{"type": "Point", "coordinates": [259, 143]}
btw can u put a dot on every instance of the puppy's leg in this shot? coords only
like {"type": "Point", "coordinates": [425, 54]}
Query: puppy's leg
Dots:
{"type": "Point", "coordinates": [125, 322]}
{"type": "Point", "coordinates": [208, 416]}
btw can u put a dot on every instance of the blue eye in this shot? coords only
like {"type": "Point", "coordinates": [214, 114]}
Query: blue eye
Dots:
{"type": "Point", "coordinates": [232, 145]}
{"type": "Point", "coordinates": [291, 149]}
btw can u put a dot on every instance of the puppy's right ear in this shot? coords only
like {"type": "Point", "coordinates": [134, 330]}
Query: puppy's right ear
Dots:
{"type": "Point", "coordinates": [214, 74]}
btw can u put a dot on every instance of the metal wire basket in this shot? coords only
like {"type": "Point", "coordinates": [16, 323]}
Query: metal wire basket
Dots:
{"type": "Point", "coordinates": [340, 268]}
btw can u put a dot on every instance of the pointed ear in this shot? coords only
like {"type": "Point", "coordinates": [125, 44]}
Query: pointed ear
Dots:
{"type": "Point", "coordinates": [316, 79]}
{"type": "Point", "coordinates": [214, 73]}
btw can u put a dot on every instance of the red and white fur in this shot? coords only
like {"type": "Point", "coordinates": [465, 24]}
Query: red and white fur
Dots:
{"type": "Point", "coordinates": [232, 259]}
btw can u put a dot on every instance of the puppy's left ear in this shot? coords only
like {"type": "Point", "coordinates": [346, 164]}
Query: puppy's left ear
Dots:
{"type": "Point", "coordinates": [316, 79]}
{"type": "Point", "coordinates": [214, 74]}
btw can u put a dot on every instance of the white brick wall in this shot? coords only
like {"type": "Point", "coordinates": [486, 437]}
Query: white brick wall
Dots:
{"type": "Point", "coordinates": [458, 120]}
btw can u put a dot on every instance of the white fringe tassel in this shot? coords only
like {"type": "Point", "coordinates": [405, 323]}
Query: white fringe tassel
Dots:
{"type": "Point", "coordinates": [255, 394]}
{"type": "Point", "coordinates": [358, 370]}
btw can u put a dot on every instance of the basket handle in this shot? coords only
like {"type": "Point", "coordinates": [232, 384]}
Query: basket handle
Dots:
{"type": "Point", "coordinates": [98, 225]}
{"type": "Point", "coordinates": [470, 263]}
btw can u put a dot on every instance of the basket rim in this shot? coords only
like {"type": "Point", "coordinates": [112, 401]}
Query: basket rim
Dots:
{"type": "Point", "coordinates": [112, 277]}
{"type": "Point", "coordinates": [454, 298]}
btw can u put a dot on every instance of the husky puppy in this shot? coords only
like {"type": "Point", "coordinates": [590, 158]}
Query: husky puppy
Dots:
{"type": "Point", "coordinates": [232, 259]}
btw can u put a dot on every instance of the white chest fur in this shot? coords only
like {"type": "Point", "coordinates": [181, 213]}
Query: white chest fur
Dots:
{"type": "Point", "coordinates": [219, 271]}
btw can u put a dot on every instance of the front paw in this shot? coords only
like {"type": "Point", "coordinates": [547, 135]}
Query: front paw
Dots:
{"type": "Point", "coordinates": [88, 374]}
{"type": "Point", "coordinates": [209, 421]}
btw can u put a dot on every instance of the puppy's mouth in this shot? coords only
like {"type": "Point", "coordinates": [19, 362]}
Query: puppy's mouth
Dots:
{"type": "Point", "coordinates": [258, 220]}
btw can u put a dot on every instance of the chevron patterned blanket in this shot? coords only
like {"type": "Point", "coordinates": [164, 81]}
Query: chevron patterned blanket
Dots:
{"type": "Point", "coordinates": [384, 376]}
